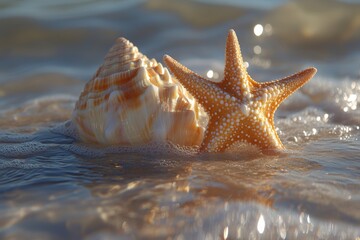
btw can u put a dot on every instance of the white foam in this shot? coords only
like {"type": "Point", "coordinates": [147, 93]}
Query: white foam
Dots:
{"type": "Point", "coordinates": [6, 137]}
{"type": "Point", "coordinates": [67, 129]}
{"type": "Point", "coordinates": [336, 98]}
{"type": "Point", "coordinates": [19, 164]}
{"type": "Point", "coordinates": [22, 149]}
{"type": "Point", "coordinates": [88, 150]}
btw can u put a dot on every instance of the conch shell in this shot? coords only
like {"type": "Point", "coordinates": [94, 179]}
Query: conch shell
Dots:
{"type": "Point", "coordinates": [132, 100]}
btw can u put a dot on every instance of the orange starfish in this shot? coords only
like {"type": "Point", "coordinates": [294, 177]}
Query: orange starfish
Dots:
{"type": "Point", "coordinates": [239, 108]}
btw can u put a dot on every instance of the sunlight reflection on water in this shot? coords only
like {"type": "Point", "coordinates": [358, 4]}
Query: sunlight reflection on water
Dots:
{"type": "Point", "coordinates": [51, 186]}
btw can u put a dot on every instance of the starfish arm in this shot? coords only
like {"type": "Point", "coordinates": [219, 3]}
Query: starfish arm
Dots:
{"type": "Point", "coordinates": [236, 79]}
{"type": "Point", "coordinates": [203, 90]}
{"type": "Point", "coordinates": [219, 135]}
{"type": "Point", "coordinates": [260, 132]}
{"type": "Point", "coordinates": [223, 132]}
{"type": "Point", "coordinates": [276, 92]}
{"type": "Point", "coordinates": [209, 138]}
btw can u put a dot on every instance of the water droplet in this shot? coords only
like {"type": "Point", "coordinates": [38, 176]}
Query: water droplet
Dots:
{"type": "Point", "coordinates": [301, 217]}
{"type": "Point", "coordinates": [246, 64]}
{"type": "Point", "coordinates": [226, 232]}
{"type": "Point", "coordinates": [314, 131]}
{"type": "Point", "coordinates": [261, 224]}
{"type": "Point", "coordinates": [352, 97]}
{"type": "Point", "coordinates": [282, 228]}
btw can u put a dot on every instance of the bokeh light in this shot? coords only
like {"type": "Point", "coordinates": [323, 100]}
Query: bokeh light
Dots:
{"type": "Point", "coordinates": [258, 30]}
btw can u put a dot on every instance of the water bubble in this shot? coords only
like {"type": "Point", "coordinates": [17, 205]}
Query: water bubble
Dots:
{"type": "Point", "coordinates": [246, 64]}
{"type": "Point", "coordinates": [352, 97]}
{"type": "Point", "coordinates": [314, 131]}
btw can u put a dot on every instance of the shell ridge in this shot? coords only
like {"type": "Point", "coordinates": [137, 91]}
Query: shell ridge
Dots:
{"type": "Point", "coordinates": [133, 100]}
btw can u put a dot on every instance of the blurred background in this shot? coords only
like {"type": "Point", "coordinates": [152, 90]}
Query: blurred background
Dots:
{"type": "Point", "coordinates": [49, 47]}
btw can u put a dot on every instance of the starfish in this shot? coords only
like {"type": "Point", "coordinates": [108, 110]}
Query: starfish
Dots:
{"type": "Point", "coordinates": [239, 108]}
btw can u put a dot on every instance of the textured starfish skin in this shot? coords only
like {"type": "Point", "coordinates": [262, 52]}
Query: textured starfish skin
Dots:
{"type": "Point", "coordinates": [239, 108]}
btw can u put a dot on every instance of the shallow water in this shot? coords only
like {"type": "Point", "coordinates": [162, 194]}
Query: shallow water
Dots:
{"type": "Point", "coordinates": [54, 188]}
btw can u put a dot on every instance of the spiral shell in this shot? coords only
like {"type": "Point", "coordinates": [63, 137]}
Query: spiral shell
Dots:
{"type": "Point", "coordinates": [132, 100]}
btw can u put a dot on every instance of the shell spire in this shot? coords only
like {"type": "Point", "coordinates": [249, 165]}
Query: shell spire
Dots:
{"type": "Point", "coordinates": [132, 100]}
